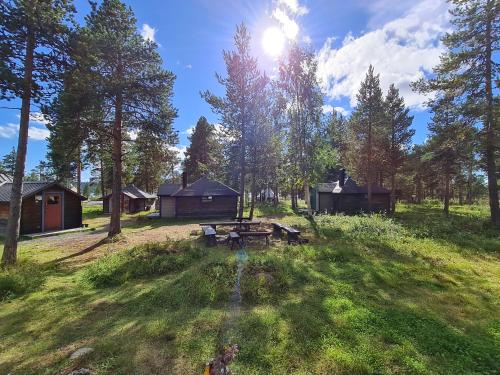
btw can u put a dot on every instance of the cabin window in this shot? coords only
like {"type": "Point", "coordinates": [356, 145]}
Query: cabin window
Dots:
{"type": "Point", "coordinates": [53, 199]}
{"type": "Point", "coordinates": [206, 199]}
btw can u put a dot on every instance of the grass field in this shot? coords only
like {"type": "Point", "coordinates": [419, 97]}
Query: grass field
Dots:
{"type": "Point", "coordinates": [413, 294]}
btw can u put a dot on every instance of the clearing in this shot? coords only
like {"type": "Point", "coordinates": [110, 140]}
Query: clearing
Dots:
{"type": "Point", "coordinates": [416, 293]}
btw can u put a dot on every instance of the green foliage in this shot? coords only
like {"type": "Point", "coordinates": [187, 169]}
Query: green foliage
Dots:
{"type": "Point", "coordinates": [17, 280]}
{"type": "Point", "coordinates": [8, 163]}
{"type": "Point", "coordinates": [142, 261]}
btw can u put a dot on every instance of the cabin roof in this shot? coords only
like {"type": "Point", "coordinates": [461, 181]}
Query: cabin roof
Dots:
{"type": "Point", "coordinates": [32, 188]}
{"type": "Point", "coordinates": [205, 187]}
{"type": "Point", "coordinates": [350, 187]}
{"type": "Point", "coordinates": [168, 189]}
{"type": "Point", "coordinates": [5, 178]}
{"type": "Point", "coordinates": [134, 192]}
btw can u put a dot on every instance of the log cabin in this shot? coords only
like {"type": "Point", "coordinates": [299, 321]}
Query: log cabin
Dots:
{"type": "Point", "coordinates": [46, 206]}
{"type": "Point", "coordinates": [132, 200]}
{"type": "Point", "coordinates": [204, 198]}
{"type": "Point", "coordinates": [345, 196]}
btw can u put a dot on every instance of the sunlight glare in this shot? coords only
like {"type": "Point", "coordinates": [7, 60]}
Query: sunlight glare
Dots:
{"type": "Point", "coordinates": [273, 41]}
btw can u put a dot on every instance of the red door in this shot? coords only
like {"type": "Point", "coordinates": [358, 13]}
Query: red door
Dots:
{"type": "Point", "coordinates": [53, 211]}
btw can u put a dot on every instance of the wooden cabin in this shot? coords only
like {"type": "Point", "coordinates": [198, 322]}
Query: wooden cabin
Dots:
{"type": "Point", "coordinates": [46, 206]}
{"type": "Point", "coordinates": [204, 198]}
{"type": "Point", "coordinates": [132, 200]}
{"type": "Point", "coordinates": [345, 196]}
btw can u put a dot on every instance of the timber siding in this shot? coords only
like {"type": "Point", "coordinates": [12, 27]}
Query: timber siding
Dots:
{"type": "Point", "coordinates": [220, 206]}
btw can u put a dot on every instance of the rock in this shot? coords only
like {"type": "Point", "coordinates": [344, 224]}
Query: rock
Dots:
{"type": "Point", "coordinates": [82, 352]}
{"type": "Point", "coordinates": [81, 371]}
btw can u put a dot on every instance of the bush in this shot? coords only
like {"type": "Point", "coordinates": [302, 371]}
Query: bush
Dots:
{"type": "Point", "coordinates": [20, 279]}
{"type": "Point", "coordinates": [141, 261]}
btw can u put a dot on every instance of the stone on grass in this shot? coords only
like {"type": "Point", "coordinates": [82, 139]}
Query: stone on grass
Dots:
{"type": "Point", "coordinates": [82, 352]}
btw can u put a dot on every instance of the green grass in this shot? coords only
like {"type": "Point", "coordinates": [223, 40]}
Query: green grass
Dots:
{"type": "Point", "coordinates": [412, 294]}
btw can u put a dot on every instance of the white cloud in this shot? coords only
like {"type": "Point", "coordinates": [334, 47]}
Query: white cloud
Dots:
{"type": "Point", "coordinates": [180, 151]}
{"type": "Point", "coordinates": [148, 32]}
{"type": "Point", "coordinates": [189, 131]}
{"type": "Point", "coordinates": [11, 131]}
{"type": "Point", "coordinates": [38, 118]}
{"type": "Point", "coordinates": [133, 134]}
{"type": "Point", "coordinates": [289, 26]}
{"type": "Point", "coordinates": [307, 39]}
{"type": "Point", "coordinates": [402, 51]}
{"type": "Point", "coordinates": [189, 66]}
{"type": "Point", "coordinates": [327, 108]}
{"type": "Point", "coordinates": [344, 112]}
{"type": "Point", "coordinates": [294, 7]}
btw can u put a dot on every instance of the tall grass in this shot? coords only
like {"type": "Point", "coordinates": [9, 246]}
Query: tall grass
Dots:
{"type": "Point", "coordinates": [142, 261]}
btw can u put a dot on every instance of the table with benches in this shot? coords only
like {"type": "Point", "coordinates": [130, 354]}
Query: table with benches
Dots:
{"type": "Point", "coordinates": [210, 235]}
{"type": "Point", "coordinates": [243, 225]}
{"type": "Point", "coordinates": [239, 237]}
{"type": "Point", "coordinates": [292, 234]}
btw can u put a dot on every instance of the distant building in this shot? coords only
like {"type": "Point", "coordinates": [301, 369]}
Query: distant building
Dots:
{"type": "Point", "coordinates": [202, 199]}
{"type": "Point", "coordinates": [46, 206]}
{"type": "Point", "coordinates": [346, 196]}
{"type": "Point", "coordinates": [132, 199]}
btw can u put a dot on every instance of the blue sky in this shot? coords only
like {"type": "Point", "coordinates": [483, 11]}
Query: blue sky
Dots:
{"type": "Point", "coordinates": [400, 38]}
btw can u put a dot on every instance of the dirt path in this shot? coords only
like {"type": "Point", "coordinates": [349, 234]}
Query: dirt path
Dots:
{"type": "Point", "coordinates": [80, 247]}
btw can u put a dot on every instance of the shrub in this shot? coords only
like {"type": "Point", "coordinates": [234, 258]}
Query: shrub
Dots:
{"type": "Point", "coordinates": [141, 261]}
{"type": "Point", "coordinates": [20, 279]}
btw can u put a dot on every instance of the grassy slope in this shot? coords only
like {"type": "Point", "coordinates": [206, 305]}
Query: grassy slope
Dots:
{"type": "Point", "coordinates": [416, 294]}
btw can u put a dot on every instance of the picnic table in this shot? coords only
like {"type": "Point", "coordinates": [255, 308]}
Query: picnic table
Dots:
{"type": "Point", "coordinates": [209, 234]}
{"type": "Point", "coordinates": [292, 233]}
{"type": "Point", "coordinates": [245, 225]}
{"type": "Point", "coordinates": [239, 238]}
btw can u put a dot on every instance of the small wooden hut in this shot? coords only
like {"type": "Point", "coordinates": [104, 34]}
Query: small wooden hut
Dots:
{"type": "Point", "coordinates": [204, 198]}
{"type": "Point", "coordinates": [132, 199]}
{"type": "Point", "coordinates": [46, 206]}
{"type": "Point", "coordinates": [346, 196]}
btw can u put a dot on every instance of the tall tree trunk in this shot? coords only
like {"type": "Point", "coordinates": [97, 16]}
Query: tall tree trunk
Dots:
{"type": "Point", "coordinates": [79, 171]}
{"type": "Point", "coordinates": [447, 194]}
{"type": "Point", "coordinates": [469, 186]}
{"type": "Point", "coordinates": [393, 192]}
{"type": "Point", "coordinates": [489, 126]}
{"type": "Point", "coordinates": [369, 166]}
{"type": "Point", "coordinates": [241, 206]}
{"type": "Point", "coordinates": [254, 193]}
{"type": "Point", "coordinates": [115, 225]}
{"type": "Point", "coordinates": [293, 197]}
{"type": "Point", "coordinates": [307, 197]}
{"type": "Point", "coordinates": [103, 187]}
{"type": "Point", "coordinates": [13, 224]}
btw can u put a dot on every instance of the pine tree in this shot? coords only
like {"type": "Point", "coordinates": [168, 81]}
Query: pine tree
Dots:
{"type": "Point", "coordinates": [367, 132]}
{"type": "Point", "coordinates": [299, 84]}
{"type": "Point", "coordinates": [8, 163]}
{"type": "Point", "coordinates": [243, 83]}
{"type": "Point", "coordinates": [400, 135]}
{"type": "Point", "coordinates": [201, 155]}
{"type": "Point", "coordinates": [33, 49]}
{"type": "Point", "coordinates": [469, 70]}
{"type": "Point", "coordinates": [131, 82]}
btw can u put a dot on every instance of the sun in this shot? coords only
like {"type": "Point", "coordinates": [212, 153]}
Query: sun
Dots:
{"type": "Point", "coordinates": [273, 41]}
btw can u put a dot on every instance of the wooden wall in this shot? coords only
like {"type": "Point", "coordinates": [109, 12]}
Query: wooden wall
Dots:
{"type": "Point", "coordinates": [4, 215]}
{"type": "Point", "coordinates": [167, 207]}
{"type": "Point", "coordinates": [221, 206]}
{"type": "Point", "coordinates": [31, 216]}
{"type": "Point", "coordinates": [72, 211]}
{"type": "Point", "coordinates": [352, 203]}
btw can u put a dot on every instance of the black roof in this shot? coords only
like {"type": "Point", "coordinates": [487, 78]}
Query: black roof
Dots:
{"type": "Point", "coordinates": [31, 188]}
{"type": "Point", "coordinates": [134, 192]}
{"type": "Point", "coordinates": [206, 187]}
{"type": "Point", "coordinates": [167, 189]}
{"type": "Point", "coordinates": [350, 187]}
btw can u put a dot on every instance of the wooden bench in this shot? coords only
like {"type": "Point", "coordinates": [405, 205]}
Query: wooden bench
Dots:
{"type": "Point", "coordinates": [265, 234]}
{"type": "Point", "coordinates": [209, 234]}
{"type": "Point", "coordinates": [233, 238]}
{"type": "Point", "coordinates": [292, 234]}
